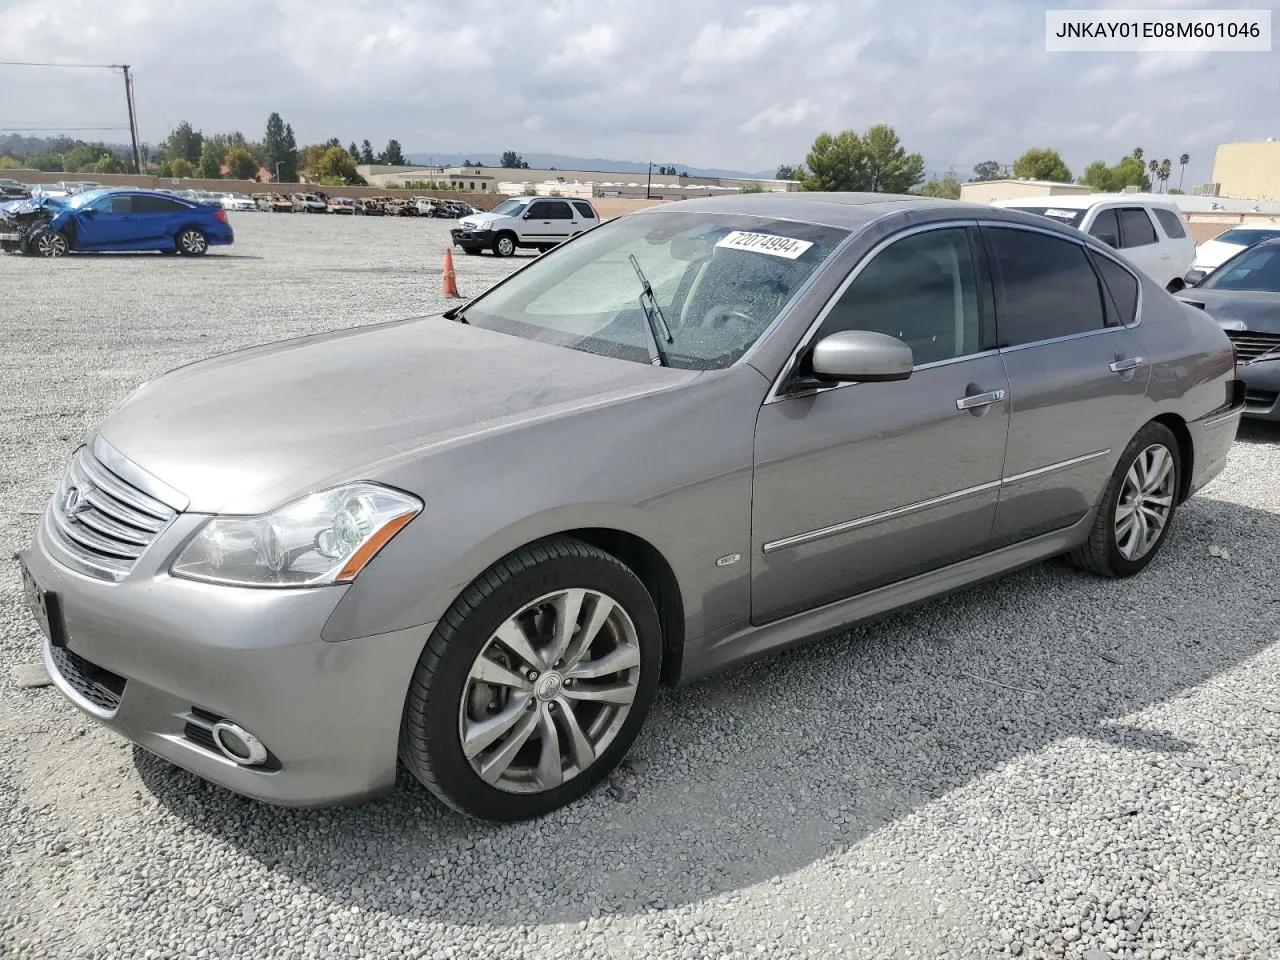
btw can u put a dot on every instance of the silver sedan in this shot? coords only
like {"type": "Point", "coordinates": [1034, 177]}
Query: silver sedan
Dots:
{"type": "Point", "coordinates": [476, 543]}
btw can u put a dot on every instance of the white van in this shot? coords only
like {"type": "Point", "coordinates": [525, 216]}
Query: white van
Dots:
{"type": "Point", "coordinates": [1149, 232]}
{"type": "Point", "coordinates": [532, 222]}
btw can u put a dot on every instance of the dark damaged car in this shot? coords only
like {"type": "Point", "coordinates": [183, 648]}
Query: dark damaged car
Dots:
{"type": "Point", "coordinates": [1243, 295]}
{"type": "Point", "coordinates": [112, 220]}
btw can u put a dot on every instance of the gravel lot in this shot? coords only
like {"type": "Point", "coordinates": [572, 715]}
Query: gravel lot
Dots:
{"type": "Point", "coordinates": [1050, 765]}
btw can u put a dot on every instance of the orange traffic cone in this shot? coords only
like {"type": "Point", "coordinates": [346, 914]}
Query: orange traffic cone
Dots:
{"type": "Point", "coordinates": [449, 284]}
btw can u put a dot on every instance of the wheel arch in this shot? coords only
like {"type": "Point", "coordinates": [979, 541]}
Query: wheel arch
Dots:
{"type": "Point", "coordinates": [647, 562]}
{"type": "Point", "coordinates": [1186, 450]}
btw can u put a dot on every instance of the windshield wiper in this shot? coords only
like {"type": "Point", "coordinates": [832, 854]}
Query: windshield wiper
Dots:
{"type": "Point", "coordinates": [654, 320]}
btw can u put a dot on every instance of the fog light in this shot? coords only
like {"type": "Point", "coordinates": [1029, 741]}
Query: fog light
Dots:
{"type": "Point", "coordinates": [238, 744]}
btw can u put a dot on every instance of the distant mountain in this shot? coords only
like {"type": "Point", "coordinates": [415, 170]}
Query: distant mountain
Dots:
{"type": "Point", "coordinates": [543, 161]}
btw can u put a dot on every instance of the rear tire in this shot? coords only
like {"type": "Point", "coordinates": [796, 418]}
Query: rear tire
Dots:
{"type": "Point", "coordinates": [560, 719]}
{"type": "Point", "coordinates": [1137, 508]}
{"type": "Point", "coordinates": [192, 243]}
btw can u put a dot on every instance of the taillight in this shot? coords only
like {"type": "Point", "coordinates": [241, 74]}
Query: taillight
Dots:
{"type": "Point", "coordinates": [220, 214]}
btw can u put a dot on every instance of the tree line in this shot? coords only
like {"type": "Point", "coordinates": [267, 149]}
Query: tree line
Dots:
{"type": "Point", "coordinates": [876, 162]}
{"type": "Point", "coordinates": [188, 152]}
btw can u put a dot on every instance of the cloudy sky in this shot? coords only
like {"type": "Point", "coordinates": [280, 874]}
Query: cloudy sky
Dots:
{"type": "Point", "coordinates": [742, 84]}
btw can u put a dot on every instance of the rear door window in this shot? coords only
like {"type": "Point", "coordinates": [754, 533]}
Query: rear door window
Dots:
{"type": "Point", "coordinates": [1135, 228]}
{"type": "Point", "coordinates": [1045, 287]}
{"type": "Point", "coordinates": [1170, 222]}
{"type": "Point", "coordinates": [1121, 284]}
{"type": "Point", "coordinates": [584, 209]}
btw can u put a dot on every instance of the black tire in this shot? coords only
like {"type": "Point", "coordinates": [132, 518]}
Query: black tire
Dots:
{"type": "Point", "coordinates": [1101, 554]}
{"type": "Point", "coordinates": [191, 242]}
{"type": "Point", "coordinates": [47, 242]}
{"type": "Point", "coordinates": [504, 244]}
{"type": "Point", "coordinates": [430, 744]}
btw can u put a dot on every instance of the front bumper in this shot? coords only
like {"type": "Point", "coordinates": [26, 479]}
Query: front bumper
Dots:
{"type": "Point", "coordinates": [476, 239]}
{"type": "Point", "coordinates": [158, 660]}
{"type": "Point", "coordinates": [1262, 389]}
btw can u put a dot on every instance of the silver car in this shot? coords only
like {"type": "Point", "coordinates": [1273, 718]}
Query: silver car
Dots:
{"type": "Point", "coordinates": [477, 542]}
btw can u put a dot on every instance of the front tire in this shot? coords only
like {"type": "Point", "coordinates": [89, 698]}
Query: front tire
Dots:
{"type": "Point", "coordinates": [192, 243]}
{"type": "Point", "coordinates": [534, 684]}
{"type": "Point", "coordinates": [47, 242]}
{"type": "Point", "coordinates": [504, 245]}
{"type": "Point", "coordinates": [1137, 508]}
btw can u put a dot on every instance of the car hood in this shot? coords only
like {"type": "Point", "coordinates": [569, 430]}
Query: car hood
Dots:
{"type": "Point", "coordinates": [480, 219]}
{"type": "Point", "coordinates": [1255, 310]}
{"type": "Point", "coordinates": [1211, 253]}
{"type": "Point", "coordinates": [247, 431]}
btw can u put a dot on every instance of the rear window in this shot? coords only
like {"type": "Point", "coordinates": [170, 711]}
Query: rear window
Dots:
{"type": "Point", "coordinates": [1062, 214]}
{"type": "Point", "coordinates": [1246, 238]}
{"type": "Point", "coordinates": [1171, 222]}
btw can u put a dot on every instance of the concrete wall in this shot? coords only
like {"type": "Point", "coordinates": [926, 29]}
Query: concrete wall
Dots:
{"type": "Point", "coordinates": [1248, 169]}
{"type": "Point", "coordinates": [987, 191]}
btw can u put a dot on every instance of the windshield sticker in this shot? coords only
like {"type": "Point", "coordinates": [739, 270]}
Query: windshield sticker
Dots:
{"type": "Point", "coordinates": [1067, 214]}
{"type": "Point", "coordinates": [768, 243]}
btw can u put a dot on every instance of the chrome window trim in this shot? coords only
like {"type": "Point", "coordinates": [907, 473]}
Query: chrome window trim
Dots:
{"type": "Point", "coordinates": [774, 396]}
{"type": "Point", "coordinates": [835, 529]}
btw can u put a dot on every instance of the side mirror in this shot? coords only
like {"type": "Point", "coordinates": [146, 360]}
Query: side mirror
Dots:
{"type": "Point", "coordinates": [861, 355]}
{"type": "Point", "coordinates": [1193, 277]}
{"type": "Point", "coordinates": [1110, 239]}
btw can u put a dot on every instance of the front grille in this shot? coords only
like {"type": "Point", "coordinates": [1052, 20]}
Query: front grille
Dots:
{"type": "Point", "coordinates": [1250, 345]}
{"type": "Point", "coordinates": [199, 729]}
{"type": "Point", "coordinates": [101, 521]}
{"type": "Point", "coordinates": [99, 686]}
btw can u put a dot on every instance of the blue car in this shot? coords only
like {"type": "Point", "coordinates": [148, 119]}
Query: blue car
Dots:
{"type": "Point", "coordinates": [120, 219]}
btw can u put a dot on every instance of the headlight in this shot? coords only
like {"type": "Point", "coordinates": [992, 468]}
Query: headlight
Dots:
{"type": "Point", "coordinates": [323, 538]}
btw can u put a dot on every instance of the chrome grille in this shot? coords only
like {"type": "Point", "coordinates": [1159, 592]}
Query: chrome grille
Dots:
{"type": "Point", "coordinates": [100, 521]}
{"type": "Point", "coordinates": [1250, 344]}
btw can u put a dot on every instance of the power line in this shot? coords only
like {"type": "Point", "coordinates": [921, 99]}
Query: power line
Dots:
{"type": "Point", "coordinates": [24, 128]}
{"type": "Point", "coordinates": [86, 66]}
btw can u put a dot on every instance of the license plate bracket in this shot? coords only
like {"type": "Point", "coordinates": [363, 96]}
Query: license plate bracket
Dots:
{"type": "Point", "coordinates": [45, 606]}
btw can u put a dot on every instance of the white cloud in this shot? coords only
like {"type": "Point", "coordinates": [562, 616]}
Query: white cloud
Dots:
{"type": "Point", "coordinates": [738, 84]}
{"type": "Point", "coordinates": [779, 116]}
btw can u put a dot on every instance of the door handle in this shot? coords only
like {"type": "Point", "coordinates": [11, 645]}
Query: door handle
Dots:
{"type": "Point", "coordinates": [1129, 363]}
{"type": "Point", "coordinates": [980, 400]}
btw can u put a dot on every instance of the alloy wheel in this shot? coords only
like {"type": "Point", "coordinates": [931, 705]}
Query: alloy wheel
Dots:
{"type": "Point", "coordinates": [506, 246]}
{"type": "Point", "coordinates": [1145, 502]}
{"type": "Point", "coordinates": [549, 691]}
{"type": "Point", "coordinates": [51, 245]}
{"type": "Point", "coordinates": [192, 242]}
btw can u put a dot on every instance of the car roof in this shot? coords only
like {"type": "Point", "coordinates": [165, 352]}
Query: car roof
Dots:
{"type": "Point", "coordinates": [847, 211]}
{"type": "Point", "coordinates": [1083, 201]}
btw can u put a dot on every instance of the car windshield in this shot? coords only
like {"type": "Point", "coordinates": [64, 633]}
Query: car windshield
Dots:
{"type": "Point", "coordinates": [81, 200]}
{"type": "Point", "coordinates": [1258, 268]}
{"type": "Point", "coordinates": [1246, 238]}
{"type": "Point", "coordinates": [508, 207]}
{"type": "Point", "coordinates": [719, 279]}
{"type": "Point", "coordinates": [1062, 214]}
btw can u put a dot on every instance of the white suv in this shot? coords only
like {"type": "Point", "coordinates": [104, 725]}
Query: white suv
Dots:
{"type": "Point", "coordinates": [536, 222]}
{"type": "Point", "coordinates": [1148, 232]}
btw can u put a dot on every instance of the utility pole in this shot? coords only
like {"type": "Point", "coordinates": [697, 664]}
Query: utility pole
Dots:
{"type": "Point", "coordinates": [133, 118]}
{"type": "Point", "coordinates": [648, 187]}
